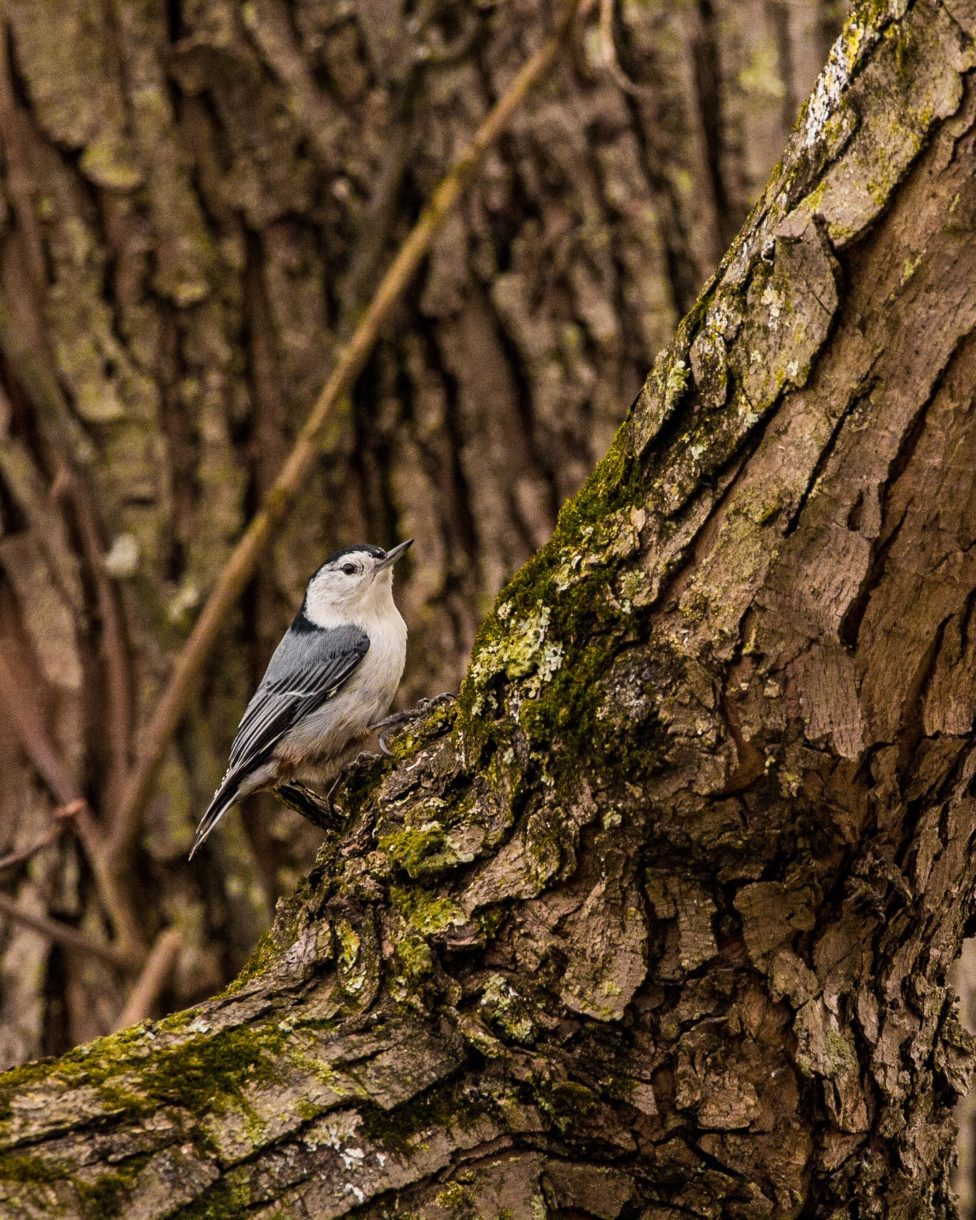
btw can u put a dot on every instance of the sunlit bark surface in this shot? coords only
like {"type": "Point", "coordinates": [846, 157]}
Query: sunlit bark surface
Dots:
{"type": "Point", "coordinates": [657, 921]}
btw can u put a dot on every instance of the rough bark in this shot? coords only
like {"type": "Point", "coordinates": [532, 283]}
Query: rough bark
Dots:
{"type": "Point", "coordinates": [195, 200]}
{"type": "Point", "coordinates": [657, 922]}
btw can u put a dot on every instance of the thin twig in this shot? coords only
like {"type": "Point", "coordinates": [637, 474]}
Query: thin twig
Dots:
{"type": "Point", "coordinates": [64, 934]}
{"type": "Point", "coordinates": [279, 500]}
{"type": "Point", "coordinates": [19, 183]}
{"type": "Point", "coordinates": [24, 716]}
{"type": "Point", "coordinates": [153, 979]}
{"type": "Point", "coordinates": [13, 858]}
{"type": "Point", "coordinates": [115, 650]}
{"type": "Point", "coordinates": [611, 59]}
{"type": "Point", "coordinates": [62, 816]}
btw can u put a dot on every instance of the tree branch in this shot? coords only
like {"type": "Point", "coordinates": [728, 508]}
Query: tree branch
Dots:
{"type": "Point", "coordinates": [62, 817]}
{"type": "Point", "coordinates": [159, 965]}
{"type": "Point", "coordinates": [37, 745]}
{"type": "Point", "coordinates": [118, 686]}
{"type": "Point", "coordinates": [64, 934]}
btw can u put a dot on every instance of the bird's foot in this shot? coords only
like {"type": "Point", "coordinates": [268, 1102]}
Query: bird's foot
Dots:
{"type": "Point", "coordinates": [317, 809]}
{"type": "Point", "coordinates": [422, 707]}
{"type": "Point", "coordinates": [398, 719]}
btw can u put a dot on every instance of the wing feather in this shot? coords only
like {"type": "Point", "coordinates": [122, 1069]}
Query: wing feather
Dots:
{"type": "Point", "coordinates": [308, 667]}
{"type": "Point", "coordinates": [297, 681]}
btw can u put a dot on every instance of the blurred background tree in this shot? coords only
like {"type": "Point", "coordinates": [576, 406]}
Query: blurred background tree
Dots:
{"type": "Point", "coordinates": [196, 200]}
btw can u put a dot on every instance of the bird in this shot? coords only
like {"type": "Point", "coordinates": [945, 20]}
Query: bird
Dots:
{"type": "Point", "coordinates": [332, 676]}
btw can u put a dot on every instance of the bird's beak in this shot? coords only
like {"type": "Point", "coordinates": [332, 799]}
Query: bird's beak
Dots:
{"type": "Point", "coordinates": [394, 554]}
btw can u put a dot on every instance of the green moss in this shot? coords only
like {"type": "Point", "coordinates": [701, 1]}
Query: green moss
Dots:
{"type": "Point", "coordinates": [414, 958]}
{"type": "Point", "coordinates": [28, 1169]}
{"type": "Point", "coordinates": [569, 628]}
{"type": "Point", "coordinates": [405, 743]}
{"type": "Point", "coordinates": [676, 382]}
{"type": "Point", "coordinates": [349, 943]}
{"type": "Point", "coordinates": [616, 483]}
{"type": "Point", "coordinates": [100, 1198]}
{"type": "Point", "coordinates": [419, 850]}
{"type": "Point", "coordinates": [565, 1102]}
{"type": "Point", "coordinates": [427, 913]}
{"type": "Point", "coordinates": [132, 1073]}
{"type": "Point", "coordinates": [307, 1111]}
{"type": "Point", "coordinates": [508, 1010]}
{"type": "Point", "coordinates": [560, 621]}
{"type": "Point", "coordinates": [92, 1063]}
{"type": "Point", "coordinates": [228, 1199]}
{"type": "Point", "coordinates": [207, 1073]}
{"type": "Point", "coordinates": [454, 1198]}
{"type": "Point", "coordinates": [106, 1196]}
{"type": "Point", "coordinates": [522, 652]}
{"type": "Point", "coordinates": [403, 1131]}
{"type": "Point", "coordinates": [264, 953]}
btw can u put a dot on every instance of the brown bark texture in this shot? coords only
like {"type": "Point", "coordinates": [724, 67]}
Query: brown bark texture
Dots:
{"type": "Point", "coordinates": [196, 199]}
{"type": "Point", "coordinates": [656, 922]}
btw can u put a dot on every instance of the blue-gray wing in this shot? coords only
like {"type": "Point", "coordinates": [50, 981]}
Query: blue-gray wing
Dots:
{"type": "Point", "coordinates": [307, 668]}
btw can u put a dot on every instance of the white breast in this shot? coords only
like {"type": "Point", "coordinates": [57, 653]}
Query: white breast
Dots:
{"type": "Point", "coordinates": [367, 696]}
{"type": "Point", "coordinates": [376, 679]}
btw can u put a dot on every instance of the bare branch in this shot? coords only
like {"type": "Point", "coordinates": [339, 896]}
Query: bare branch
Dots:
{"type": "Point", "coordinates": [33, 736]}
{"type": "Point", "coordinates": [155, 975]}
{"type": "Point", "coordinates": [64, 934]}
{"type": "Point", "coordinates": [62, 816]}
{"type": "Point", "coordinates": [26, 721]}
{"type": "Point", "coordinates": [611, 58]}
{"type": "Point", "coordinates": [115, 650]}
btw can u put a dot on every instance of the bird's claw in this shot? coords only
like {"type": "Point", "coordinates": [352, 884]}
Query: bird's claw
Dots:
{"type": "Point", "coordinates": [398, 719]}
{"type": "Point", "coordinates": [317, 809]}
{"type": "Point", "coordinates": [446, 696]}
{"type": "Point", "coordinates": [422, 707]}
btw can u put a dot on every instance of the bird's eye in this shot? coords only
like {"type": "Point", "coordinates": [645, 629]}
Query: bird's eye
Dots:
{"type": "Point", "coordinates": [349, 569]}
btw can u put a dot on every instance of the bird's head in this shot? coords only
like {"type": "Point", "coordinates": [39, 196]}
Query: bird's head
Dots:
{"type": "Point", "coordinates": [351, 584]}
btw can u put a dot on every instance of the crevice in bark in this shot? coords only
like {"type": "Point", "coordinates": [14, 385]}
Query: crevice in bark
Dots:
{"type": "Point", "coordinates": [823, 460]}
{"type": "Point", "coordinates": [681, 275]}
{"type": "Point", "coordinates": [708, 74]}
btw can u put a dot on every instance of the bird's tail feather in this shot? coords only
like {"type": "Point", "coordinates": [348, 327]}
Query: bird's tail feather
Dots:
{"type": "Point", "coordinates": [223, 798]}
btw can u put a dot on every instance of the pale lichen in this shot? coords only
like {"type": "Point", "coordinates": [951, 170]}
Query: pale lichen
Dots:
{"type": "Point", "coordinates": [523, 652]}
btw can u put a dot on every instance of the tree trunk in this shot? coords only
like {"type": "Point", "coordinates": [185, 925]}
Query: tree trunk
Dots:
{"type": "Point", "coordinates": [657, 921]}
{"type": "Point", "coordinates": [196, 201]}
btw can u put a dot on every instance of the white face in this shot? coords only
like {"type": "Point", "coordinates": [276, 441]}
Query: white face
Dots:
{"type": "Point", "coordinates": [351, 587]}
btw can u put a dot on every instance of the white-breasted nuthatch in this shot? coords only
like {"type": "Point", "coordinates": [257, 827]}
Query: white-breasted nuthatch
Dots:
{"type": "Point", "coordinates": [333, 675]}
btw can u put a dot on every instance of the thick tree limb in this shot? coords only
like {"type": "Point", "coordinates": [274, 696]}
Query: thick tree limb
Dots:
{"type": "Point", "coordinates": [195, 194]}
{"type": "Point", "coordinates": [674, 891]}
